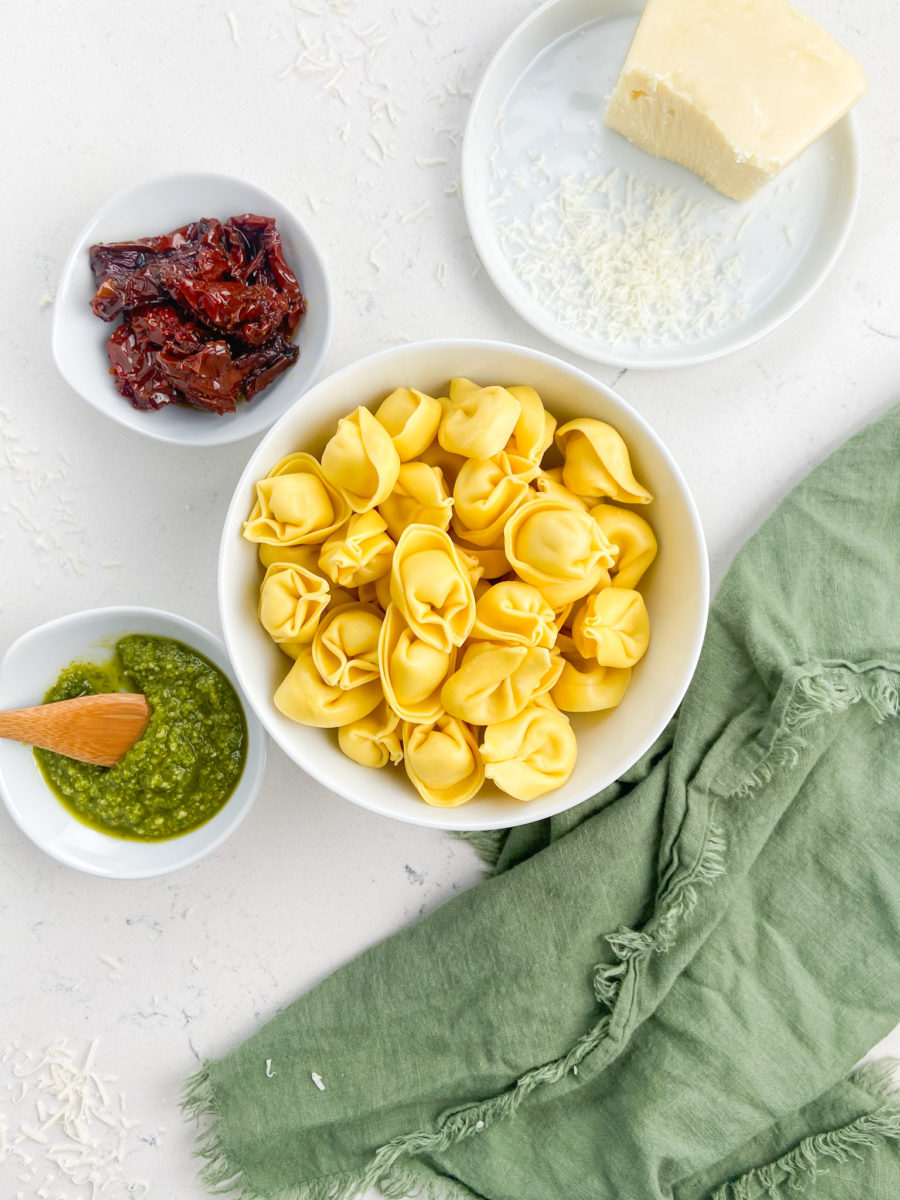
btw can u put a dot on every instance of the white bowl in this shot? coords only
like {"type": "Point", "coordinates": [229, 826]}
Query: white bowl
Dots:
{"type": "Point", "coordinates": [31, 666]}
{"type": "Point", "coordinates": [676, 589]}
{"type": "Point", "coordinates": [159, 206]}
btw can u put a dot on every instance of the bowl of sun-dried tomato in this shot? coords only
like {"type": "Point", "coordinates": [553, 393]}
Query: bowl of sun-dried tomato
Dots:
{"type": "Point", "coordinates": [193, 308]}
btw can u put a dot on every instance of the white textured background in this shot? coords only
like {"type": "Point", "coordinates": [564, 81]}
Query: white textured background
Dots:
{"type": "Point", "coordinates": [98, 95]}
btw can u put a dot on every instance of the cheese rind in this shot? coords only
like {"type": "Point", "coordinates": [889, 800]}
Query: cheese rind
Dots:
{"type": "Point", "coordinates": [732, 89]}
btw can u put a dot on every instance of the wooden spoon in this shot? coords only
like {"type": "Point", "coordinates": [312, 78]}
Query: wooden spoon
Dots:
{"type": "Point", "coordinates": [93, 729]}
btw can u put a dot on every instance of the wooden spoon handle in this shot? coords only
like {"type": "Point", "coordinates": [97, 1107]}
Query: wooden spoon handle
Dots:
{"type": "Point", "coordinates": [95, 729]}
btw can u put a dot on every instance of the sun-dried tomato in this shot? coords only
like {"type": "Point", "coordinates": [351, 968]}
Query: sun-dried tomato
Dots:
{"type": "Point", "coordinates": [208, 312]}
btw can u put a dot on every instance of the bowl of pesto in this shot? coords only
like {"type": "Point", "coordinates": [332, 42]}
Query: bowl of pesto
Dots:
{"type": "Point", "coordinates": [181, 789]}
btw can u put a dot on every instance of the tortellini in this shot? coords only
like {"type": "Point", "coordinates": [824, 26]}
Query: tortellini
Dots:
{"type": "Point", "coordinates": [613, 627]}
{"type": "Point", "coordinates": [486, 494]}
{"type": "Point", "coordinates": [634, 539]}
{"type": "Point", "coordinates": [291, 602]}
{"type": "Point", "coordinates": [533, 431]}
{"type": "Point", "coordinates": [420, 497]}
{"type": "Point", "coordinates": [442, 760]}
{"type": "Point", "coordinates": [597, 462]}
{"type": "Point", "coordinates": [304, 696]}
{"type": "Point", "coordinates": [532, 753]}
{"type": "Point", "coordinates": [373, 741]}
{"type": "Point", "coordinates": [495, 681]}
{"type": "Point", "coordinates": [412, 419]}
{"type": "Point", "coordinates": [517, 613]}
{"type": "Point", "coordinates": [361, 461]}
{"type": "Point", "coordinates": [345, 648]}
{"type": "Point", "coordinates": [359, 552]}
{"type": "Point", "coordinates": [295, 504]}
{"type": "Point", "coordinates": [299, 556]}
{"type": "Point", "coordinates": [430, 584]}
{"type": "Point", "coordinates": [448, 591]}
{"type": "Point", "coordinates": [477, 421]}
{"type": "Point", "coordinates": [585, 686]}
{"type": "Point", "coordinates": [559, 549]}
{"type": "Point", "coordinates": [412, 671]}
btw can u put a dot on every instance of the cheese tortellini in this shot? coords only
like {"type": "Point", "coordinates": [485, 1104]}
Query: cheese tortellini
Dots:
{"type": "Point", "coordinates": [359, 552]}
{"type": "Point", "coordinates": [613, 627]}
{"type": "Point", "coordinates": [295, 504]}
{"type": "Point", "coordinates": [451, 579]}
{"type": "Point", "coordinates": [361, 460]}
{"type": "Point", "coordinates": [597, 462]}
{"type": "Point", "coordinates": [291, 601]}
{"type": "Point", "coordinates": [558, 548]}
{"type": "Point", "coordinates": [531, 753]}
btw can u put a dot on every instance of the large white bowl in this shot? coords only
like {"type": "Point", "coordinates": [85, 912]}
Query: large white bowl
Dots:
{"type": "Point", "coordinates": [676, 588]}
{"type": "Point", "coordinates": [32, 665]}
{"type": "Point", "coordinates": [159, 206]}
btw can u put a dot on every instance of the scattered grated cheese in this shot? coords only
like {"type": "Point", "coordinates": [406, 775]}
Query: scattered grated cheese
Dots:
{"type": "Point", "coordinates": [414, 213]}
{"type": "Point", "coordinates": [233, 26]}
{"type": "Point", "coordinates": [317, 1080]}
{"type": "Point", "coordinates": [90, 1141]}
{"type": "Point", "coordinates": [270, 1074]}
{"type": "Point", "coordinates": [430, 162]}
{"type": "Point", "coordinates": [622, 260]}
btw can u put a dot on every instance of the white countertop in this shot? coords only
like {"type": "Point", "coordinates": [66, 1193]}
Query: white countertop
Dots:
{"type": "Point", "coordinates": [97, 96]}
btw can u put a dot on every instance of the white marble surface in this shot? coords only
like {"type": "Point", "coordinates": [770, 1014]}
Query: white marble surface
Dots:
{"type": "Point", "coordinates": [98, 95]}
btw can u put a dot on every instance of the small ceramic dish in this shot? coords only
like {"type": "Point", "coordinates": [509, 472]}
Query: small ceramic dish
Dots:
{"type": "Point", "coordinates": [156, 207]}
{"type": "Point", "coordinates": [536, 126]}
{"type": "Point", "coordinates": [29, 667]}
{"type": "Point", "coordinates": [676, 588]}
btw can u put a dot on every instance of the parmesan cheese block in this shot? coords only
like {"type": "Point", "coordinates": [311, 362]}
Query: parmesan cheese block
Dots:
{"type": "Point", "coordinates": [732, 89]}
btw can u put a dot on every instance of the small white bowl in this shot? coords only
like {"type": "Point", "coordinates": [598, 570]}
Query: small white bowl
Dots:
{"type": "Point", "coordinates": [676, 588]}
{"type": "Point", "coordinates": [156, 207]}
{"type": "Point", "coordinates": [31, 666]}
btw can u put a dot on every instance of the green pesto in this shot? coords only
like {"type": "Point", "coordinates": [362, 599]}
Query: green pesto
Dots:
{"type": "Point", "coordinates": [186, 765]}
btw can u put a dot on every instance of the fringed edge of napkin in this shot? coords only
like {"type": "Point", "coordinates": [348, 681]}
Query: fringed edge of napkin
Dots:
{"type": "Point", "coordinates": [396, 1179]}
{"type": "Point", "coordinates": [803, 1163]}
{"type": "Point", "coordinates": [817, 690]}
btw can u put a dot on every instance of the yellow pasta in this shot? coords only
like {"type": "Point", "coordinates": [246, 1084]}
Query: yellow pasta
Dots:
{"type": "Point", "coordinates": [431, 586]}
{"type": "Point", "coordinates": [442, 760]}
{"type": "Point", "coordinates": [559, 549]}
{"type": "Point", "coordinates": [597, 462]}
{"type": "Point", "coordinates": [295, 505]}
{"type": "Point", "coordinates": [494, 681]}
{"type": "Point", "coordinates": [533, 431]}
{"type": "Point", "coordinates": [345, 647]}
{"type": "Point", "coordinates": [477, 422]}
{"type": "Point", "coordinates": [359, 552]}
{"type": "Point", "coordinates": [304, 696]}
{"type": "Point", "coordinates": [515, 612]}
{"type": "Point", "coordinates": [291, 602]}
{"type": "Point", "coordinates": [411, 418]}
{"type": "Point", "coordinates": [585, 686]}
{"type": "Point", "coordinates": [613, 627]}
{"type": "Point", "coordinates": [412, 671]}
{"type": "Point", "coordinates": [486, 494]}
{"type": "Point", "coordinates": [373, 741]}
{"type": "Point", "coordinates": [532, 753]}
{"type": "Point", "coordinates": [420, 497]}
{"type": "Point", "coordinates": [436, 575]}
{"type": "Point", "coordinates": [361, 461]}
{"type": "Point", "coordinates": [634, 539]}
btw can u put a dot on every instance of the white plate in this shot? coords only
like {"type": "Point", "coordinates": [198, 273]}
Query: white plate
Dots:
{"type": "Point", "coordinates": [155, 207]}
{"type": "Point", "coordinates": [537, 117]}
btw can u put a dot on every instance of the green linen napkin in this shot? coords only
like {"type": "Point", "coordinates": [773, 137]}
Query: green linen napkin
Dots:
{"type": "Point", "coordinates": [658, 995]}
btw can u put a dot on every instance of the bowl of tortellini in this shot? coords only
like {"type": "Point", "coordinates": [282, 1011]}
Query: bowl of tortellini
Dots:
{"type": "Point", "coordinates": [463, 584]}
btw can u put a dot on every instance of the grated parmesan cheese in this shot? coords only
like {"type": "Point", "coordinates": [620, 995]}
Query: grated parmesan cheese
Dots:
{"type": "Point", "coordinates": [317, 1080]}
{"type": "Point", "coordinates": [90, 1140]}
{"type": "Point", "coordinates": [619, 259]}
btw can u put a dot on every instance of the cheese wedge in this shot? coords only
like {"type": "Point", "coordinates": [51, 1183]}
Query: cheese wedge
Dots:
{"type": "Point", "coordinates": [732, 89]}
